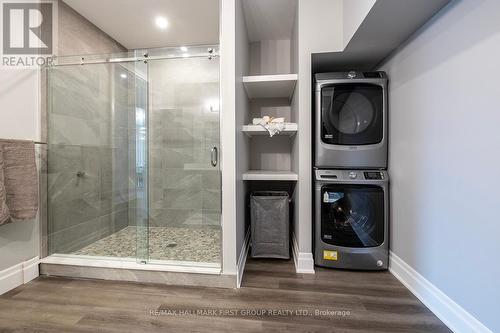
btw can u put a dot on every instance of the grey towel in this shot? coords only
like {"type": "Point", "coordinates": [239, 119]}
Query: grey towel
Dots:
{"type": "Point", "coordinates": [20, 178]}
{"type": "Point", "coordinates": [4, 210]}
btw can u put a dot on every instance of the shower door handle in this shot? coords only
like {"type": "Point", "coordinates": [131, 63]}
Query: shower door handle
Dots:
{"type": "Point", "coordinates": [215, 156]}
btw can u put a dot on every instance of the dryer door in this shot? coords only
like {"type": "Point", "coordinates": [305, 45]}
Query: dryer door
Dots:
{"type": "Point", "coordinates": [352, 114]}
{"type": "Point", "coordinates": [352, 215]}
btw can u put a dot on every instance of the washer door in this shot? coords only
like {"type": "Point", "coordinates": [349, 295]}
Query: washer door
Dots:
{"type": "Point", "coordinates": [352, 215]}
{"type": "Point", "coordinates": [352, 114]}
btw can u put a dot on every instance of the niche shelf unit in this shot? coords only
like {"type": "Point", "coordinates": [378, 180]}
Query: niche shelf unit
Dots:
{"type": "Point", "coordinates": [270, 175]}
{"type": "Point", "coordinates": [267, 80]}
{"type": "Point", "coordinates": [254, 130]}
{"type": "Point", "coordinates": [268, 89]}
{"type": "Point", "coordinates": [270, 86]}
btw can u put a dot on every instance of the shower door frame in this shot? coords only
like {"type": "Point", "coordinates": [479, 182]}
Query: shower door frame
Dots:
{"type": "Point", "coordinates": [142, 55]}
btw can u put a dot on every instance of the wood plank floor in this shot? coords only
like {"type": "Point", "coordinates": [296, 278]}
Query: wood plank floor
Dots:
{"type": "Point", "coordinates": [272, 299]}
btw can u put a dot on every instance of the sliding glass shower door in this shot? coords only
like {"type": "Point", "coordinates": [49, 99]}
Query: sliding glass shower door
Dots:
{"type": "Point", "coordinates": [133, 158]}
{"type": "Point", "coordinates": [97, 159]}
{"type": "Point", "coordinates": [185, 183]}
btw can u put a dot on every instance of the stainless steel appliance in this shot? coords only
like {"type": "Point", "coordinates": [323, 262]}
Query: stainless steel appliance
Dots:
{"type": "Point", "coordinates": [351, 219]}
{"type": "Point", "coordinates": [350, 120]}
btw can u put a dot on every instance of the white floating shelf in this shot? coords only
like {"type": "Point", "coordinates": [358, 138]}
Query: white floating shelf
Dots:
{"type": "Point", "coordinates": [270, 86]}
{"type": "Point", "coordinates": [251, 130]}
{"type": "Point", "coordinates": [270, 175]}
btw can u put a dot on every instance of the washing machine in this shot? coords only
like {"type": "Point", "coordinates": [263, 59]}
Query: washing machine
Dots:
{"type": "Point", "coordinates": [351, 226]}
{"type": "Point", "coordinates": [350, 120]}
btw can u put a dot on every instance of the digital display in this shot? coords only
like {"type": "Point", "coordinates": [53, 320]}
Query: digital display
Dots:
{"type": "Point", "coordinates": [373, 175]}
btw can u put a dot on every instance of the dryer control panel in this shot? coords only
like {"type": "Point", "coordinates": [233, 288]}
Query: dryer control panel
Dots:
{"type": "Point", "coordinates": [373, 175]}
{"type": "Point", "coordinates": [351, 176]}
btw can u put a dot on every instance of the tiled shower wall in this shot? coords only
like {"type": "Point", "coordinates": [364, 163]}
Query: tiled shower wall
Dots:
{"type": "Point", "coordinates": [184, 126]}
{"type": "Point", "coordinates": [88, 132]}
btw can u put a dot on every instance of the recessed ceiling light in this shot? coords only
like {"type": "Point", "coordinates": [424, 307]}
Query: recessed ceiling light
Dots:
{"type": "Point", "coordinates": [123, 75]}
{"type": "Point", "coordinates": [183, 49]}
{"type": "Point", "coordinates": [161, 22]}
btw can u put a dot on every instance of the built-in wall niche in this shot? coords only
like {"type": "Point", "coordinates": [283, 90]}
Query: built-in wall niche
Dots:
{"type": "Point", "coordinates": [273, 107]}
{"type": "Point", "coordinates": [287, 186]}
{"type": "Point", "coordinates": [270, 153]}
{"type": "Point", "coordinates": [269, 82]}
{"type": "Point", "coordinates": [270, 70]}
{"type": "Point", "coordinates": [270, 158]}
{"type": "Point", "coordinates": [270, 86]}
{"type": "Point", "coordinates": [269, 57]}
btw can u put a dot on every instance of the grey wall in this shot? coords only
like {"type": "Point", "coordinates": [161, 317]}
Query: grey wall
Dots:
{"type": "Point", "coordinates": [444, 155]}
{"type": "Point", "coordinates": [19, 241]}
{"type": "Point", "coordinates": [353, 14]}
{"type": "Point", "coordinates": [79, 36]}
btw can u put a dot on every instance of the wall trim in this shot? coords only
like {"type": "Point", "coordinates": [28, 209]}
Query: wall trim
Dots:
{"type": "Point", "coordinates": [304, 262]}
{"type": "Point", "coordinates": [242, 260]}
{"type": "Point", "coordinates": [19, 274]}
{"type": "Point", "coordinates": [450, 313]}
{"type": "Point", "coordinates": [227, 50]}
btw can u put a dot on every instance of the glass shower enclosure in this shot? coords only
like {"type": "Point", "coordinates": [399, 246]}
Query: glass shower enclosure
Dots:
{"type": "Point", "coordinates": [132, 158]}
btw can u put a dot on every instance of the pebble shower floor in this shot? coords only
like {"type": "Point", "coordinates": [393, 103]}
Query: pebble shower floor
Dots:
{"type": "Point", "coordinates": [165, 243]}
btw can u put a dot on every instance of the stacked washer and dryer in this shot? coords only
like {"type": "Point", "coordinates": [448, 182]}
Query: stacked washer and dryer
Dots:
{"type": "Point", "coordinates": [351, 197]}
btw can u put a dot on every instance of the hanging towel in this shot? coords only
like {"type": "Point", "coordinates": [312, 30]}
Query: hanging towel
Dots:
{"type": "Point", "coordinates": [20, 178]}
{"type": "Point", "coordinates": [4, 210]}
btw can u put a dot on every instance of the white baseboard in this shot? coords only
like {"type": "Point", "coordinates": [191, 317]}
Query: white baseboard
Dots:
{"type": "Point", "coordinates": [242, 259]}
{"type": "Point", "coordinates": [304, 262]}
{"type": "Point", "coordinates": [451, 314]}
{"type": "Point", "coordinates": [19, 274]}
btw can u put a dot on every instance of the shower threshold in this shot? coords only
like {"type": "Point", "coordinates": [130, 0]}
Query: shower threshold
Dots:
{"type": "Point", "coordinates": [113, 258]}
{"type": "Point", "coordinates": [126, 269]}
{"type": "Point", "coordinates": [132, 263]}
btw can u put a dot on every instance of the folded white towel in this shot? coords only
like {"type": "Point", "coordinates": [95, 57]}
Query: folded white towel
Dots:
{"type": "Point", "coordinates": [274, 128]}
{"type": "Point", "coordinates": [272, 125]}
{"type": "Point", "coordinates": [267, 119]}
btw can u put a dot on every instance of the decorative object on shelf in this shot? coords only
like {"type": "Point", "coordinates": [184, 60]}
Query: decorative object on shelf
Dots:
{"type": "Point", "coordinates": [290, 129]}
{"type": "Point", "coordinates": [272, 125]}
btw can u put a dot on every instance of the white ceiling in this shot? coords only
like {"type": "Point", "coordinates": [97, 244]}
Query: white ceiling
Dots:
{"type": "Point", "coordinates": [132, 22]}
{"type": "Point", "coordinates": [269, 19]}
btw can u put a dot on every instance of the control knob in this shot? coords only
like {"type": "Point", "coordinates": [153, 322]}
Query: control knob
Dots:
{"type": "Point", "coordinates": [351, 74]}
